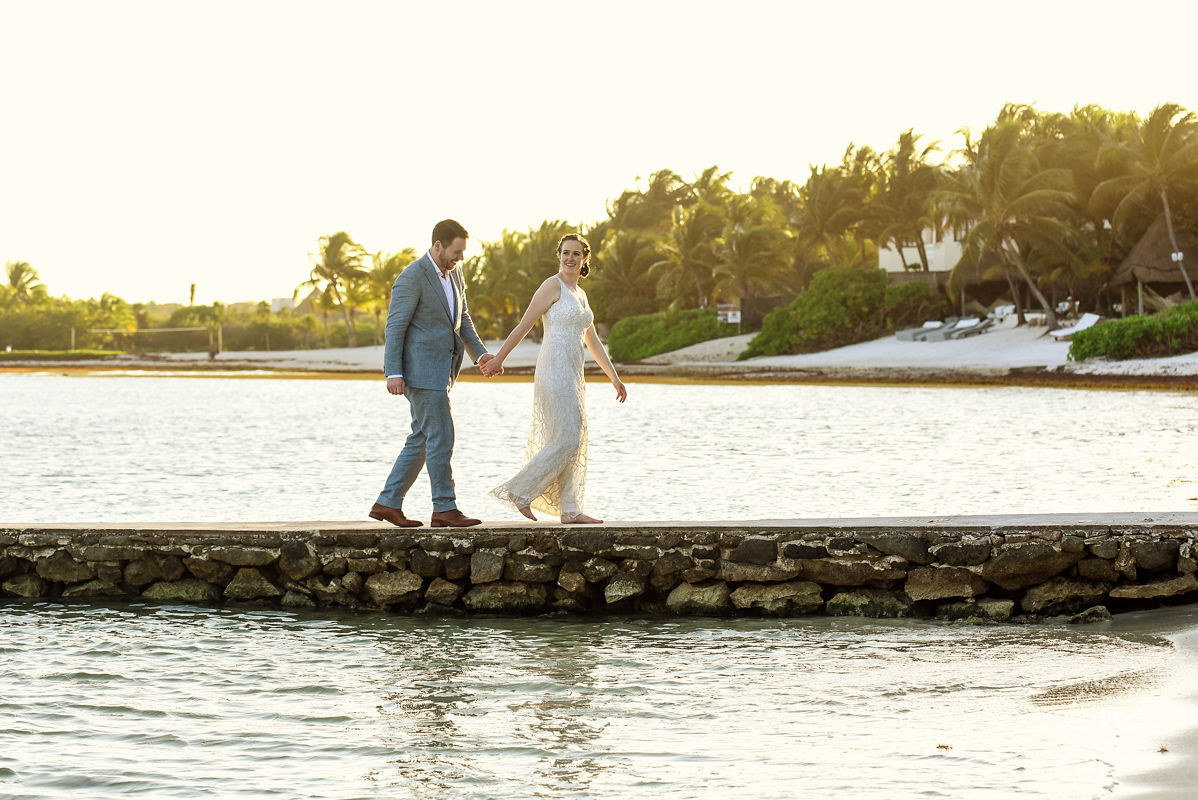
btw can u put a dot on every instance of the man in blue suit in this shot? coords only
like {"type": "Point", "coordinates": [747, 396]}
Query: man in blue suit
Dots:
{"type": "Point", "coordinates": [428, 332]}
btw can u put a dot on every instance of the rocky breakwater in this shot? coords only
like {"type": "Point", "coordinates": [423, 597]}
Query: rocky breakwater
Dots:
{"type": "Point", "coordinates": [980, 568]}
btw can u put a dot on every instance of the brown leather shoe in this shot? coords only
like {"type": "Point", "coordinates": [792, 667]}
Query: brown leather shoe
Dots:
{"type": "Point", "coordinates": [453, 519]}
{"type": "Point", "coordinates": [392, 515]}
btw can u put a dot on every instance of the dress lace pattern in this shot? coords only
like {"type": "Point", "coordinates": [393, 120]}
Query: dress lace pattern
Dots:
{"type": "Point", "coordinates": [553, 477]}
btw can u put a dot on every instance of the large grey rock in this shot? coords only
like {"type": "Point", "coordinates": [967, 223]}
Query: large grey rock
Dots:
{"type": "Point", "coordinates": [1105, 548]}
{"type": "Point", "coordinates": [425, 564]}
{"type": "Point", "coordinates": [852, 572]}
{"type": "Point", "coordinates": [61, 567]}
{"type": "Point", "coordinates": [1156, 556]}
{"type": "Point", "coordinates": [1125, 564]}
{"type": "Point", "coordinates": [755, 550]}
{"type": "Point", "coordinates": [938, 583]}
{"type": "Point", "coordinates": [389, 588]}
{"type": "Point", "coordinates": [250, 584]}
{"type": "Point", "coordinates": [369, 566]}
{"type": "Point", "coordinates": [297, 560]}
{"type": "Point", "coordinates": [672, 563]}
{"type": "Point", "coordinates": [1181, 585]}
{"type": "Point", "coordinates": [869, 603]}
{"type": "Point", "coordinates": [1025, 565]}
{"type": "Point", "coordinates": [95, 589]}
{"type": "Point", "coordinates": [700, 599]}
{"type": "Point", "coordinates": [333, 593]}
{"type": "Point", "coordinates": [779, 599]}
{"type": "Point", "coordinates": [572, 582]}
{"type": "Point", "coordinates": [11, 565]}
{"type": "Point", "coordinates": [985, 609]}
{"type": "Point", "coordinates": [185, 590]}
{"type": "Point", "coordinates": [242, 556]}
{"type": "Point", "coordinates": [907, 546]}
{"type": "Point", "coordinates": [485, 567]}
{"type": "Point", "coordinates": [1062, 595]}
{"type": "Point", "coordinates": [294, 599]}
{"type": "Point", "coordinates": [804, 550]}
{"type": "Point", "coordinates": [1097, 569]}
{"type": "Point", "coordinates": [442, 592]}
{"type": "Point", "coordinates": [588, 540]}
{"type": "Point", "coordinates": [528, 569]}
{"type": "Point", "coordinates": [216, 572]}
{"type": "Point", "coordinates": [1090, 615]}
{"type": "Point", "coordinates": [25, 585]}
{"type": "Point", "coordinates": [498, 597]}
{"type": "Point", "coordinates": [598, 570]}
{"type": "Point", "coordinates": [152, 567]}
{"type": "Point", "coordinates": [968, 552]}
{"type": "Point", "coordinates": [623, 585]}
{"type": "Point", "coordinates": [457, 566]}
{"type": "Point", "coordinates": [757, 573]}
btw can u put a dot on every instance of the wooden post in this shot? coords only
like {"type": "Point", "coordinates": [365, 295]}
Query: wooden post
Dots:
{"type": "Point", "coordinates": [72, 337]}
{"type": "Point", "coordinates": [220, 338]}
{"type": "Point", "coordinates": [1139, 297]}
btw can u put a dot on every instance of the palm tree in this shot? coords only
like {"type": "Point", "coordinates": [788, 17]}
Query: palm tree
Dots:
{"type": "Point", "coordinates": [1162, 156]}
{"type": "Point", "coordinates": [752, 250]}
{"type": "Point", "coordinates": [22, 282]}
{"type": "Point", "coordinates": [904, 203]}
{"type": "Point", "coordinates": [337, 263]}
{"type": "Point", "coordinates": [385, 268]}
{"type": "Point", "coordinates": [1011, 201]}
{"type": "Point", "coordinates": [623, 284]}
{"type": "Point", "coordinates": [687, 267]}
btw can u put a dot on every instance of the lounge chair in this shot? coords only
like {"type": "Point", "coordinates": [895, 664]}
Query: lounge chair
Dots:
{"type": "Point", "coordinates": [1087, 321]}
{"type": "Point", "coordinates": [909, 334]}
{"type": "Point", "coordinates": [961, 333]}
{"type": "Point", "coordinates": [946, 333]}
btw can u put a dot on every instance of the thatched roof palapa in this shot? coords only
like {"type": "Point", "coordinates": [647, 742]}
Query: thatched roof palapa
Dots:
{"type": "Point", "coordinates": [1150, 260]}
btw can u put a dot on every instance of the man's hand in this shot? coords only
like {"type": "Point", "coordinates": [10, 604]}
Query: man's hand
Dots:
{"type": "Point", "coordinates": [395, 385]}
{"type": "Point", "coordinates": [482, 365]}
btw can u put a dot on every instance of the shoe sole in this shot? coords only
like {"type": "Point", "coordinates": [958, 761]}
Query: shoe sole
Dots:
{"type": "Point", "coordinates": [379, 517]}
{"type": "Point", "coordinates": [436, 524]}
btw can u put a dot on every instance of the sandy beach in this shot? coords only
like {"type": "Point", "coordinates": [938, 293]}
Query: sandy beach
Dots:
{"type": "Point", "coordinates": [1005, 354]}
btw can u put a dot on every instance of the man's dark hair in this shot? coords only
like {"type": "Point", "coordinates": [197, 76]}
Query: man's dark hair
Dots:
{"type": "Point", "coordinates": [447, 230]}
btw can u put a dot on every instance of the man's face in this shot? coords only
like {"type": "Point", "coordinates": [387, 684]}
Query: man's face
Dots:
{"type": "Point", "coordinates": [447, 257]}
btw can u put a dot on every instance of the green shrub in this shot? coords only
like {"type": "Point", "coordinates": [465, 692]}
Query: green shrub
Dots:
{"type": "Point", "coordinates": [841, 306]}
{"type": "Point", "coordinates": [911, 304]}
{"type": "Point", "coordinates": [1172, 331]}
{"type": "Point", "coordinates": [56, 355]}
{"type": "Point", "coordinates": [634, 338]}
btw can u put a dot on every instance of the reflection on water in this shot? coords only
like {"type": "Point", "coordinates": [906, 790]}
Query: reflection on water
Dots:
{"type": "Point", "coordinates": [195, 449]}
{"type": "Point", "coordinates": [175, 701]}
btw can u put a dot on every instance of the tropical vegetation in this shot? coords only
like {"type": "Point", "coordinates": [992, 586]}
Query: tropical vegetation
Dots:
{"type": "Point", "coordinates": [1046, 204]}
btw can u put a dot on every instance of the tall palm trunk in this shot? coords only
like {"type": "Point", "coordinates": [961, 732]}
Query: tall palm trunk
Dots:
{"type": "Point", "coordinates": [1012, 250]}
{"type": "Point", "coordinates": [378, 326]}
{"type": "Point", "coordinates": [349, 325]}
{"type": "Point", "coordinates": [1181, 265]}
{"type": "Point", "coordinates": [1017, 299]}
{"type": "Point", "coordinates": [923, 252]}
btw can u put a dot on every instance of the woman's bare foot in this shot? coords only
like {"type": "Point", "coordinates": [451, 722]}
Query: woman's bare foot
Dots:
{"type": "Point", "coordinates": [526, 511]}
{"type": "Point", "coordinates": [580, 519]}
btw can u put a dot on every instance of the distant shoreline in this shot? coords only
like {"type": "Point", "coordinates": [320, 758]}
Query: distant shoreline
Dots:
{"type": "Point", "coordinates": [727, 374]}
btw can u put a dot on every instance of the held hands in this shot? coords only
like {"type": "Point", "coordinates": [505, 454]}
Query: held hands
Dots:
{"type": "Point", "coordinates": [490, 366]}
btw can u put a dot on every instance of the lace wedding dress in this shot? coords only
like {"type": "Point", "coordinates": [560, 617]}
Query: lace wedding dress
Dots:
{"type": "Point", "coordinates": [553, 477]}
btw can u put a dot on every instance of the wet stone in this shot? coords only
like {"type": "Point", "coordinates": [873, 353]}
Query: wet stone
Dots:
{"type": "Point", "coordinates": [25, 585]}
{"type": "Point", "coordinates": [1156, 556]}
{"type": "Point", "coordinates": [598, 570]}
{"type": "Point", "coordinates": [528, 569]}
{"type": "Point", "coordinates": [297, 560]}
{"type": "Point", "coordinates": [389, 588]}
{"type": "Point", "coordinates": [700, 599]}
{"type": "Point", "coordinates": [61, 567]}
{"type": "Point", "coordinates": [209, 571]}
{"type": "Point", "coordinates": [153, 567]}
{"type": "Point", "coordinates": [912, 548]}
{"type": "Point", "coordinates": [485, 567]}
{"type": "Point", "coordinates": [968, 552]}
{"type": "Point", "coordinates": [249, 584]}
{"type": "Point", "coordinates": [457, 566]}
{"type": "Point", "coordinates": [755, 550]}
{"type": "Point", "coordinates": [242, 556]}
{"type": "Point", "coordinates": [426, 565]}
{"type": "Point", "coordinates": [187, 590]}
{"type": "Point", "coordinates": [443, 592]}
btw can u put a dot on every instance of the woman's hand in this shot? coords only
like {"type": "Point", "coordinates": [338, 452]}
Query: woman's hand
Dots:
{"type": "Point", "coordinates": [490, 365]}
{"type": "Point", "coordinates": [621, 391]}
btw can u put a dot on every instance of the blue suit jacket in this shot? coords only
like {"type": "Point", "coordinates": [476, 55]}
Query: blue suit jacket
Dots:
{"type": "Point", "coordinates": [426, 341]}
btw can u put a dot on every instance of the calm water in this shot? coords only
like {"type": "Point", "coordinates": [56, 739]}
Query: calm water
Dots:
{"type": "Point", "coordinates": [210, 449]}
{"type": "Point", "coordinates": [161, 701]}
{"type": "Point", "coordinates": [179, 702]}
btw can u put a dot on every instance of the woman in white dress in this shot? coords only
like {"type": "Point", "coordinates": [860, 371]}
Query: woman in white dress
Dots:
{"type": "Point", "coordinates": [553, 477]}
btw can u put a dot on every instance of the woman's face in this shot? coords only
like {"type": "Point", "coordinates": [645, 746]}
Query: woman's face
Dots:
{"type": "Point", "coordinates": [570, 258]}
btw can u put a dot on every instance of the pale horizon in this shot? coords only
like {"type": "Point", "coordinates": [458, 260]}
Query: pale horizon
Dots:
{"type": "Point", "coordinates": [149, 146]}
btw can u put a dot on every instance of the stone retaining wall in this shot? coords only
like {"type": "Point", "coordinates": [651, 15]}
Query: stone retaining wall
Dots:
{"type": "Point", "coordinates": [988, 571]}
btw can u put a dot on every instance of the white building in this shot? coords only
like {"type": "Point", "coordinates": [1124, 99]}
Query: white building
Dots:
{"type": "Point", "coordinates": [943, 253]}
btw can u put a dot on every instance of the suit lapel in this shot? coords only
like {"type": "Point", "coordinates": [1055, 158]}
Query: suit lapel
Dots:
{"type": "Point", "coordinates": [432, 274]}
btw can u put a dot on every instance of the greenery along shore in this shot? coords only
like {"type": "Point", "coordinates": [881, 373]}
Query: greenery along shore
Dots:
{"type": "Point", "coordinates": [1049, 202]}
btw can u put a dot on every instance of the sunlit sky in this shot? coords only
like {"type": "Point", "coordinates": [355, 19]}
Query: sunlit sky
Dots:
{"type": "Point", "coordinates": [145, 146]}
